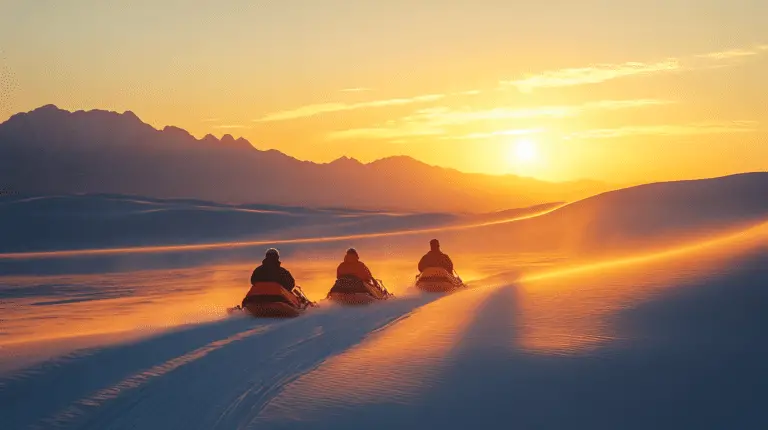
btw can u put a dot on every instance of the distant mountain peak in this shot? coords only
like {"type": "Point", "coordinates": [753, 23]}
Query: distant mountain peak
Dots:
{"type": "Point", "coordinates": [345, 161]}
{"type": "Point", "coordinates": [47, 111]}
{"type": "Point", "coordinates": [51, 116]}
{"type": "Point", "coordinates": [48, 107]}
{"type": "Point", "coordinates": [229, 141]}
{"type": "Point", "coordinates": [176, 131]}
{"type": "Point", "coordinates": [209, 138]}
{"type": "Point", "coordinates": [400, 161]}
{"type": "Point", "coordinates": [131, 115]}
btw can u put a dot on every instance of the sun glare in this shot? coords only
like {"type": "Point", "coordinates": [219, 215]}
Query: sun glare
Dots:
{"type": "Point", "coordinates": [523, 151]}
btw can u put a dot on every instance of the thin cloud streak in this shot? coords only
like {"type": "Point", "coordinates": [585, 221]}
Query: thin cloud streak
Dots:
{"type": "Point", "coordinates": [497, 133]}
{"type": "Point", "coordinates": [445, 116]}
{"type": "Point", "coordinates": [733, 53]}
{"type": "Point", "coordinates": [668, 130]}
{"type": "Point", "coordinates": [589, 75]}
{"type": "Point", "coordinates": [600, 73]}
{"type": "Point", "coordinates": [230, 126]}
{"type": "Point", "coordinates": [384, 133]}
{"type": "Point", "coordinates": [322, 108]}
{"type": "Point", "coordinates": [625, 104]}
{"type": "Point", "coordinates": [436, 121]}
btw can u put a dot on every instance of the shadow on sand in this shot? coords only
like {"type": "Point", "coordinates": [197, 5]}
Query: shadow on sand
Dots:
{"type": "Point", "coordinates": [234, 364]}
{"type": "Point", "coordinates": [692, 356]}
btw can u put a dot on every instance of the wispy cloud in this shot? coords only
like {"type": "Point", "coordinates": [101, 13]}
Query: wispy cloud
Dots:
{"type": "Point", "coordinates": [210, 120]}
{"type": "Point", "coordinates": [733, 53]}
{"type": "Point", "coordinates": [589, 75]}
{"type": "Point", "coordinates": [438, 120]}
{"type": "Point", "coordinates": [321, 108]}
{"type": "Point", "coordinates": [385, 133]}
{"type": "Point", "coordinates": [226, 126]}
{"type": "Point", "coordinates": [324, 108]}
{"type": "Point", "coordinates": [669, 130]}
{"type": "Point", "coordinates": [446, 116]}
{"type": "Point", "coordinates": [497, 133]}
{"type": "Point", "coordinates": [598, 73]}
{"type": "Point", "coordinates": [624, 104]}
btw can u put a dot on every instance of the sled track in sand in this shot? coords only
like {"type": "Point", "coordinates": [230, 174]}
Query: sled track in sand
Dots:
{"type": "Point", "coordinates": [242, 370]}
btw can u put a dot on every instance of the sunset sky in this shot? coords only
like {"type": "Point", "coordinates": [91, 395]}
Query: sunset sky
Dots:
{"type": "Point", "coordinates": [624, 91]}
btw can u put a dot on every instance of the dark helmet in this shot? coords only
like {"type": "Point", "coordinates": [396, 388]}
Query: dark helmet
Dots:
{"type": "Point", "coordinates": [272, 253]}
{"type": "Point", "coordinates": [434, 244]}
{"type": "Point", "coordinates": [352, 251]}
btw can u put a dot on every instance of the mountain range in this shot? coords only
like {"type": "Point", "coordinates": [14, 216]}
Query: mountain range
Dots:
{"type": "Point", "coordinates": [54, 151]}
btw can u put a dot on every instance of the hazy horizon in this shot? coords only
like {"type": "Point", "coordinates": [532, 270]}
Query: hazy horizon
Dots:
{"type": "Point", "coordinates": [235, 136]}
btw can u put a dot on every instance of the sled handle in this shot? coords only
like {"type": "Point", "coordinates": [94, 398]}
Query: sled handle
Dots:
{"type": "Point", "coordinates": [381, 284]}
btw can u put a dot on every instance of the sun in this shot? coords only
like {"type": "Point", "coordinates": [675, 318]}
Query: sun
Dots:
{"type": "Point", "coordinates": [523, 151]}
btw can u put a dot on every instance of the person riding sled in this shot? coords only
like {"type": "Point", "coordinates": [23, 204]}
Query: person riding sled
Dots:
{"type": "Point", "coordinates": [435, 258]}
{"type": "Point", "coordinates": [353, 267]}
{"type": "Point", "coordinates": [436, 273]}
{"type": "Point", "coordinates": [271, 270]}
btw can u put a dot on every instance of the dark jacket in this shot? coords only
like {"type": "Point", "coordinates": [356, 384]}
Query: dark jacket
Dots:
{"type": "Point", "coordinates": [353, 266]}
{"type": "Point", "coordinates": [270, 271]}
{"type": "Point", "coordinates": [436, 258]}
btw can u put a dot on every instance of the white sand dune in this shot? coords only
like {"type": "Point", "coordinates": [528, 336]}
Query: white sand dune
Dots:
{"type": "Point", "coordinates": [651, 316]}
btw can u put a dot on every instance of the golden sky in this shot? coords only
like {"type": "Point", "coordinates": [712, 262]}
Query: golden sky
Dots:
{"type": "Point", "coordinates": [630, 91]}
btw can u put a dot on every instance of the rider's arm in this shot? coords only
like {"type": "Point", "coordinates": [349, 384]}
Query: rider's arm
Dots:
{"type": "Point", "coordinates": [289, 279]}
{"type": "Point", "coordinates": [368, 273]}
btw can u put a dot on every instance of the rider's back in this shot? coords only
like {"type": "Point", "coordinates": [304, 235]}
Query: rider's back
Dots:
{"type": "Point", "coordinates": [435, 258]}
{"type": "Point", "coordinates": [271, 271]}
{"type": "Point", "coordinates": [352, 266]}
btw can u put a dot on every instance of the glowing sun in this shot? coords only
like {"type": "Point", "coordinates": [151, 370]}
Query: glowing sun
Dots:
{"type": "Point", "coordinates": [524, 151]}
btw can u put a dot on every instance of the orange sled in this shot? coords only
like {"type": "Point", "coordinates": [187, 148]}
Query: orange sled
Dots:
{"type": "Point", "coordinates": [271, 300]}
{"type": "Point", "coordinates": [438, 280]}
{"type": "Point", "coordinates": [353, 291]}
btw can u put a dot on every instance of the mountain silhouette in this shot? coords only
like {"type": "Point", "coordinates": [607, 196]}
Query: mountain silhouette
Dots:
{"type": "Point", "coordinates": [54, 151]}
